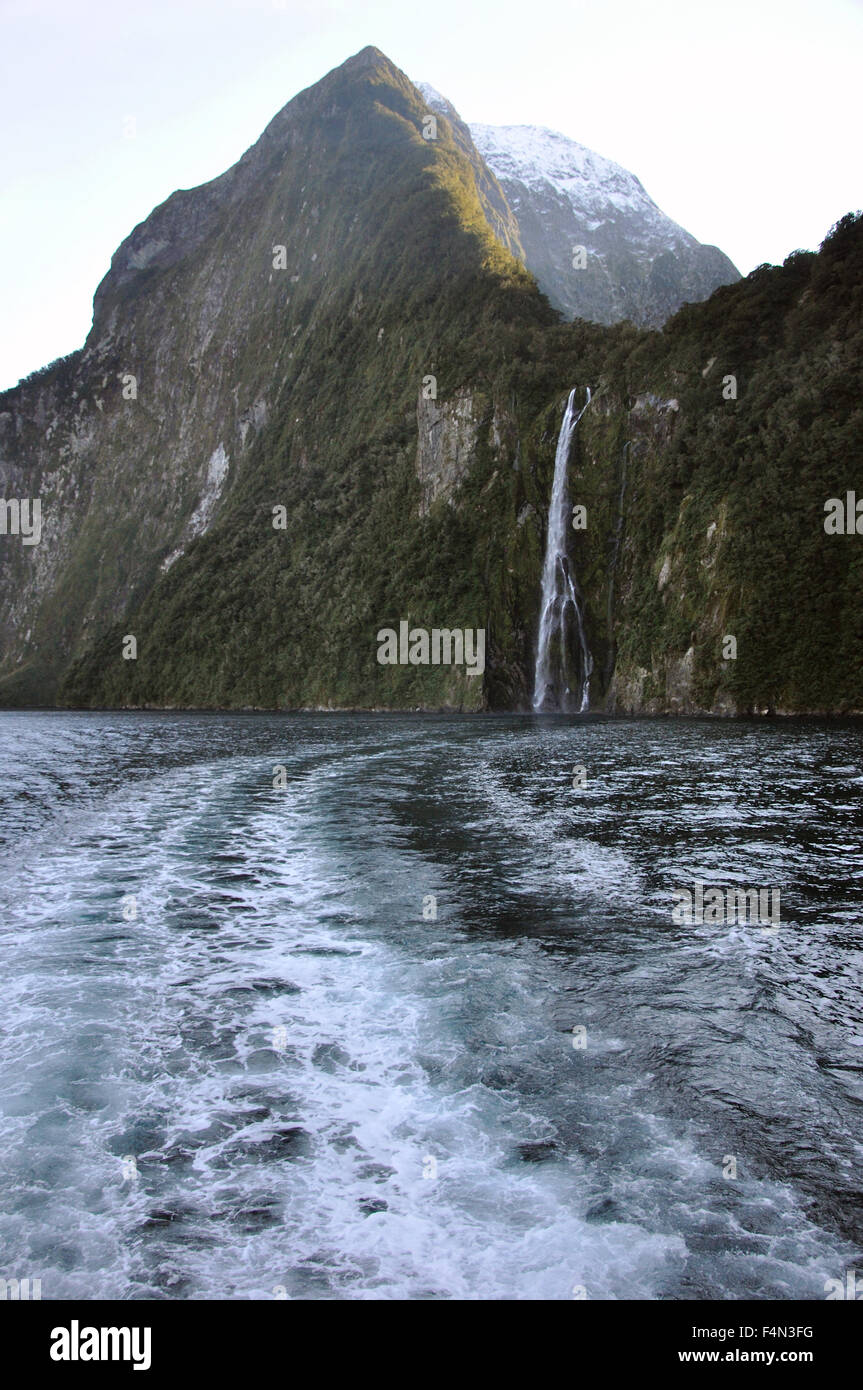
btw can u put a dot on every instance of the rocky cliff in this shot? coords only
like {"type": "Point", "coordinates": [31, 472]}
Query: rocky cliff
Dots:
{"type": "Point", "coordinates": [321, 397]}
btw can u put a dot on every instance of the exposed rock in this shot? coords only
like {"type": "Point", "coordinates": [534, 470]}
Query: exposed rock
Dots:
{"type": "Point", "coordinates": [446, 439]}
{"type": "Point", "coordinates": [678, 684]}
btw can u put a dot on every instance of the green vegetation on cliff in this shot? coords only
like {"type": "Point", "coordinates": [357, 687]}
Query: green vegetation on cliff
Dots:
{"type": "Point", "coordinates": [705, 513]}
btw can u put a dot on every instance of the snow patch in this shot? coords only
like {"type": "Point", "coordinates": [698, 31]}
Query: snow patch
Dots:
{"type": "Point", "coordinates": [597, 188]}
{"type": "Point", "coordinates": [436, 101]}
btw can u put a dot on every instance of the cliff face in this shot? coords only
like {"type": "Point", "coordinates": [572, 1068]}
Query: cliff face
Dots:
{"type": "Point", "coordinates": [446, 446]}
{"type": "Point", "coordinates": [321, 397]}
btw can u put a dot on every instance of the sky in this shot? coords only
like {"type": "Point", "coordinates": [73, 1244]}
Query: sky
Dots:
{"type": "Point", "coordinates": [740, 118]}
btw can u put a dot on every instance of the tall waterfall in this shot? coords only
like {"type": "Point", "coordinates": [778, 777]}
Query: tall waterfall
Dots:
{"type": "Point", "coordinates": [563, 661]}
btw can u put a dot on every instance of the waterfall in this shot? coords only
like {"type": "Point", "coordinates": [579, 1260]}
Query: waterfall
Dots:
{"type": "Point", "coordinates": [563, 661]}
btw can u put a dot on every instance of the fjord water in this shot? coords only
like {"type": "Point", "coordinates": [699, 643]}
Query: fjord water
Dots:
{"type": "Point", "coordinates": [424, 1127]}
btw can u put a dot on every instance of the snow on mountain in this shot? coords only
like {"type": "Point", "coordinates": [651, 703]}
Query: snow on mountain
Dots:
{"type": "Point", "coordinates": [433, 97]}
{"type": "Point", "coordinates": [637, 263]}
{"type": "Point", "coordinates": [597, 188]}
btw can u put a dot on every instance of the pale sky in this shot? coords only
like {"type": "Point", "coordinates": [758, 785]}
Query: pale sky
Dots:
{"type": "Point", "coordinates": [740, 118]}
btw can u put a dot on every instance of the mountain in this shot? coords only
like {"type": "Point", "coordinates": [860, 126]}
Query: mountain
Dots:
{"type": "Point", "coordinates": [637, 265]}
{"type": "Point", "coordinates": [321, 396]}
{"type": "Point", "coordinates": [275, 326]}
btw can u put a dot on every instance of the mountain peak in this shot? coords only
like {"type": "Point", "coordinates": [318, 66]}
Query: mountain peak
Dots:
{"type": "Point", "coordinates": [368, 58]}
{"type": "Point", "coordinates": [369, 54]}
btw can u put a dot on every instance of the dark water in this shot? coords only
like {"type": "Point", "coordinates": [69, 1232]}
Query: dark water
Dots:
{"type": "Point", "coordinates": [278, 1078]}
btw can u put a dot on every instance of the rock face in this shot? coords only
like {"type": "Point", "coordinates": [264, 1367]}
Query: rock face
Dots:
{"type": "Point", "coordinates": [446, 444]}
{"type": "Point", "coordinates": [636, 263]}
{"type": "Point", "coordinates": [242, 470]}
